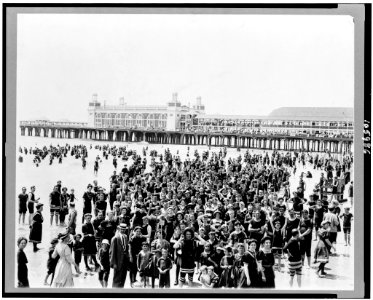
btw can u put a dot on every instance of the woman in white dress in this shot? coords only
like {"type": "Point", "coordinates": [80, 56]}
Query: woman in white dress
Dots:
{"type": "Point", "coordinates": [63, 273]}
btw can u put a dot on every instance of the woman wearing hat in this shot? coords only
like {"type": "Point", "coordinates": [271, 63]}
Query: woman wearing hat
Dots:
{"type": "Point", "coordinates": [37, 227]}
{"type": "Point", "coordinates": [323, 248]}
{"type": "Point", "coordinates": [266, 261]}
{"type": "Point", "coordinates": [63, 273]}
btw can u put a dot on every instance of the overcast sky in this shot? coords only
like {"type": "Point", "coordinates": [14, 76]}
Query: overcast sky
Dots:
{"type": "Point", "coordinates": [238, 64]}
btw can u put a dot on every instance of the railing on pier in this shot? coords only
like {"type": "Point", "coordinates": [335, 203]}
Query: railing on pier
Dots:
{"type": "Point", "coordinates": [53, 124]}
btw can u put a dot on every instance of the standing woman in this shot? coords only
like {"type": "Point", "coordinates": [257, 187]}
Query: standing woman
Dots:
{"type": "Point", "coordinates": [226, 263]}
{"type": "Point", "coordinates": [188, 247]}
{"type": "Point", "coordinates": [37, 227]}
{"type": "Point", "coordinates": [63, 272]}
{"type": "Point", "coordinates": [89, 242]}
{"type": "Point", "coordinates": [238, 267]}
{"type": "Point", "coordinates": [266, 260]}
{"type": "Point", "coordinates": [177, 255]}
{"type": "Point", "coordinates": [253, 278]}
{"type": "Point", "coordinates": [255, 228]}
{"type": "Point", "coordinates": [22, 263]}
{"type": "Point", "coordinates": [323, 248]}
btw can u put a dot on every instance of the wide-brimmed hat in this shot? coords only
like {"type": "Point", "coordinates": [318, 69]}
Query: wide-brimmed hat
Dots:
{"type": "Point", "coordinates": [122, 226]}
{"type": "Point", "coordinates": [39, 205]}
{"type": "Point", "coordinates": [105, 241]}
{"type": "Point", "coordinates": [63, 235]}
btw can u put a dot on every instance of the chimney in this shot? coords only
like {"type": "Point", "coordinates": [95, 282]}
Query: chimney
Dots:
{"type": "Point", "coordinates": [94, 97]}
{"type": "Point", "coordinates": [121, 101]}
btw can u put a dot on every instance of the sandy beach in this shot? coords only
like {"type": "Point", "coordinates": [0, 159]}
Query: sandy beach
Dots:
{"type": "Point", "coordinates": [72, 175]}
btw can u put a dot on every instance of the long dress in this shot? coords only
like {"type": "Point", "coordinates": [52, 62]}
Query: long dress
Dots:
{"type": "Point", "coordinates": [89, 242]}
{"type": "Point", "coordinates": [22, 273]}
{"type": "Point", "coordinates": [226, 279]}
{"type": "Point", "coordinates": [322, 248]}
{"type": "Point", "coordinates": [240, 280]}
{"type": "Point", "coordinates": [36, 228]}
{"type": "Point", "coordinates": [63, 273]}
{"type": "Point", "coordinates": [268, 260]}
{"type": "Point", "coordinates": [255, 278]}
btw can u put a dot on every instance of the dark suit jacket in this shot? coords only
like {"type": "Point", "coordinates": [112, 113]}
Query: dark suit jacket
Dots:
{"type": "Point", "coordinates": [119, 252]}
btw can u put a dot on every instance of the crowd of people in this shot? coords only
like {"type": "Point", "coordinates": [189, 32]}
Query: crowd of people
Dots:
{"type": "Point", "coordinates": [216, 222]}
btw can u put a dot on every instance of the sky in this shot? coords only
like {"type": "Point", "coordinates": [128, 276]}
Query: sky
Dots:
{"type": "Point", "coordinates": [237, 64]}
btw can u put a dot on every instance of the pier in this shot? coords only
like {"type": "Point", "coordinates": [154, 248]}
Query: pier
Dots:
{"type": "Point", "coordinates": [76, 130]}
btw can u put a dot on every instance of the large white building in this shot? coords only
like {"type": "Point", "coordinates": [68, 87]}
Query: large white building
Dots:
{"type": "Point", "coordinates": [172, 116]}
{"type": "Point", "coordinates": [315, 121]}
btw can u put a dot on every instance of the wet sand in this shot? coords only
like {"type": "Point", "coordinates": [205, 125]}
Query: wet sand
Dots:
{"type": "Point", "coordinates": [70, 172]}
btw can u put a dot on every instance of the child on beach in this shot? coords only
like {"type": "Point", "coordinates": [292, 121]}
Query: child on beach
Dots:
{"type": "Point", "coordinates": [78, 250]}
{"type": "Point", "coordinates": [164, 266]}
{"type": "Point", "coordinates": [51, 263]}
{"type": "Point", "coordinates": [104, 261]}
{"type": "Point", "coordinates": [204, 277]}
{"type": "Point", "coordinates": [143, 263]}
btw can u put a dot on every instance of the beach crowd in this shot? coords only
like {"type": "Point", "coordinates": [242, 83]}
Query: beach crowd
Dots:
{"type": "Point", "coordinates": [212, 220]}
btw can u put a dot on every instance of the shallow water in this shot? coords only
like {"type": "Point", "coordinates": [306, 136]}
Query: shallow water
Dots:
{"type": "Point", "coordinates": [72, 175]}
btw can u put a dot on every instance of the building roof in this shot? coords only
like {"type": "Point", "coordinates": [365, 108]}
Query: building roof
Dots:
{"type": "Point", "coordinates": [314, 113]}
{"type": "Point", "coordinates": [295, 114]}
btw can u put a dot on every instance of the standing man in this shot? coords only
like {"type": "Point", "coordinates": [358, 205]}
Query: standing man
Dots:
{"type": "Point", "coordinates": [331, 217]}
{"type": "Point", "coordinates": [30, 204]}
{"type": "Point", "coordinates": [135, 246]}
{"type": "Point", "coordinates": [351, 193]}
{"type": "Point", "coordinates": [112, 195]}
{"type": "Point", "coordinates": [295, 258]}
{"type": "Point", "coordinates": [119, 256]}
{"type": "Point", "coordinates": [88, 198]}
{"type": "Point", "coordinates": [72, 218]}
{"type": "Point", "coordinates": [22, 206]}
{"type": "Point", "coordinates": [55, 204]}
